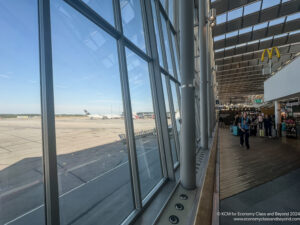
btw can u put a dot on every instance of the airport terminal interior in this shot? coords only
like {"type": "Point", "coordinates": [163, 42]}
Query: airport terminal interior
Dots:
{"type": "Point", "coordinates": [149, 112]}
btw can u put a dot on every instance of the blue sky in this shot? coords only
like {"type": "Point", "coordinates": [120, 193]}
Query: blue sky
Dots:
{"type": "Point", "coordinates": [85, 60]}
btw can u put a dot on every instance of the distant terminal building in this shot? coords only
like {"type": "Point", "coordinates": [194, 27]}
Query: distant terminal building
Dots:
{"type": "Point", "coordinates": [145, 115]}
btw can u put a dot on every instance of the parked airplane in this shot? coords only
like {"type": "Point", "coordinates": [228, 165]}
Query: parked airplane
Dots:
{"type": "Point", "coordinates": [92, 116]}
{"type": "Point", "coordinates": [98, 116]}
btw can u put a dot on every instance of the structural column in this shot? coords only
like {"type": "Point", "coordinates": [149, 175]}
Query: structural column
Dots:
{"type": "Point", "coordinates": [203, 74]}
{"type": "Point", "coordinates": [187, 156]}
{"type": "Point", "coordinates": [213, 99]}
{"type": "Point", "coordinates": [209, 93]}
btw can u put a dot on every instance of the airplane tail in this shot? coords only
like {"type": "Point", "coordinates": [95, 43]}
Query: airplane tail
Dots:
{"type": "Point", "coordinates": [86, 112]}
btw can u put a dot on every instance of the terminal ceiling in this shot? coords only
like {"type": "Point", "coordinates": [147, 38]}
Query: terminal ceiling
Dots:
{"type": "Point", "coordinates": [244, 29]}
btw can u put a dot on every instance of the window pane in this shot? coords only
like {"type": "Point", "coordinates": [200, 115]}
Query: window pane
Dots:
{"type": "Point", "coordinates": [170, 127]}
{"type": "Point", "coordinates": [221, 18]}
{"type": "Point", "coordinates": [235, 14]}
{"type": "Point", "coordinates": [167, 45]}
{"type": "Point", "coordinates": [104, 8]}
{"type": "Point", "coordinates": [21, 168]}
{"type": "Point", "coordinates": [144, 123]}
{"type": "Point", "coordinates": [176, 107]}
{"type": "Point", "coordinates": [157, 33]}
{"type": "Point", "coordinates": [93, 169]}
{"type": "Point", "coordinates": [132, 22]}
{"type": "Point", "coordinates": [176, 57]}
{"type": "Point", "coordinates": [252, 8]}
{"type": "Point", "coordinates": [269, 3]}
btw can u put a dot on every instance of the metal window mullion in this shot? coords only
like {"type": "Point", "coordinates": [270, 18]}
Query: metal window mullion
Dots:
{"type": "Point", "coordinates": [132, 156]}
{"type": "Point", "coordinates": [157, 93]}
{"type": "Point", "coordinates": [172, 52]}
{"type": "Point", "coordinates": [48, 115]}
{"type": "Point", "coordinates": [93, 16]}
{"type": "Point", "coordinates": [136, 49]}
{"type": "Point", "coordinates": [160, 32]}
{"type": "Point", "coordinates": [176, 16]}
{"type": "Point", "coordinates": [174, 64]}
{"type": "Point", "coordinates": [129, 127]}
{"type": "Point", "coordinates": [173, 119]}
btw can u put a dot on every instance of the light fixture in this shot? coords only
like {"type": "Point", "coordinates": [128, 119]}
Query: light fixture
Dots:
{"type": "Point", "coordinates": [212, 15]}
{"type": "Point", "coordinates": [212, 24]}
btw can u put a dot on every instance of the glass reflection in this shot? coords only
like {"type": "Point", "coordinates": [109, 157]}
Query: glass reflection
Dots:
{"type": "Point", "coordinates": [21, 169]}
{"type": "Point", "coordinates": [132, 22]}
{"type": "Point", "coordinates": [170, 126]}
{"type": "Point", "coordinates": [93, 168]}
{"type": "Point", "coordinates": [104, 8]}
{"type": "Point", "coordinates": [167, 44]}
{"type": "Point", "coordinates": [144, 123]}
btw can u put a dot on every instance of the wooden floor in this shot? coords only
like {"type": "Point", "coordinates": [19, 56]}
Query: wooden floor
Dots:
{"type": "Point", "coordinates": [267, 159]}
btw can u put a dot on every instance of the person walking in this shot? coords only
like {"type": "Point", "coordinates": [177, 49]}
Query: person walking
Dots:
{"type": "Point", "coordinates": [244, 126]}
{"type": "Point", "coordinates": [260, 124]}
{"type": "Point", "coordinates": [268, 126]}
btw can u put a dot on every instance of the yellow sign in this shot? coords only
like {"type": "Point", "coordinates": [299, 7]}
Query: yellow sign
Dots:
{"type": "Point", "coordinates": [270, 53]}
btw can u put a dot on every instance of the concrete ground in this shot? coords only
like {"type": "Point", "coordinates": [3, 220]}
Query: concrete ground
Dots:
{"type": "Point", "coordinates": [93, 170]}
{"type": "Point", "coordinates": [279, 196]}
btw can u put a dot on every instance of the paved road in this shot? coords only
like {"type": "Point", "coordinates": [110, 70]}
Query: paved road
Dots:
{"type": "Point", "coordinates": [94, 185]}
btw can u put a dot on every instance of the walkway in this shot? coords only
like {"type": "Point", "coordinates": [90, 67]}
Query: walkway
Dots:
{"type": "Point", "coordinates": [280, 196]}
{"type": "Point", "coordinates": [266, 160]}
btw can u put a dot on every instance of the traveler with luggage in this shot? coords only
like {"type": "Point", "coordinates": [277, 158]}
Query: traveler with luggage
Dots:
{"type": "Point", "coordinates": [244, 126]}
{"type": "Point", "coordinates": [260, 125]}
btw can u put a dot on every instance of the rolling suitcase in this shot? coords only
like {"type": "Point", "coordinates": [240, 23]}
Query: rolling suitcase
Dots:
{"type": "Point", "coordinates": [261, 132]}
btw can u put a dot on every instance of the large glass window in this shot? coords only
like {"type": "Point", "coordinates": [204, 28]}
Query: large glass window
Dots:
{"type": "Point", "coordinates": [104, 8]}
{"type": "Point", "coordinates": [133, 22]}
{"type": "Point", "coordinates": [167, 44]}
{"type": "Point", "coordinates": [93, 168]}
{"type": "Point", "coordinates": [170, 126]}
{"type": "Point", "coordinates": [21, 169]}
{"type": "Point", "coordinates": [157, 33]}
{"type": "Point", "coordinates": [149, 163]}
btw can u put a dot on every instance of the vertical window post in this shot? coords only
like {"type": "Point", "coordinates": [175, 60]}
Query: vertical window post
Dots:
{"type": "Point", "coordinates": [48, 116]}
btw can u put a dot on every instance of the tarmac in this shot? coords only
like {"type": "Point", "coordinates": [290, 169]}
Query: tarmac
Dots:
{"type": "Point", "coordinates": [93, 170]}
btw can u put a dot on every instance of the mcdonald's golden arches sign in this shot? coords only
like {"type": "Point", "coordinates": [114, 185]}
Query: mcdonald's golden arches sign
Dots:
{"type": "Point", "coordinates": [270, 53]}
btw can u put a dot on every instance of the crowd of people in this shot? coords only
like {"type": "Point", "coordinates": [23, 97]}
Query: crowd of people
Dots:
{"type": "Point", "coordinates": [248, 125]}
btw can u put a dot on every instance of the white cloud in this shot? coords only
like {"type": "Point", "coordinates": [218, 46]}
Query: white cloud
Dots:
{"type": "Point", "coordinates": [4, 76]}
